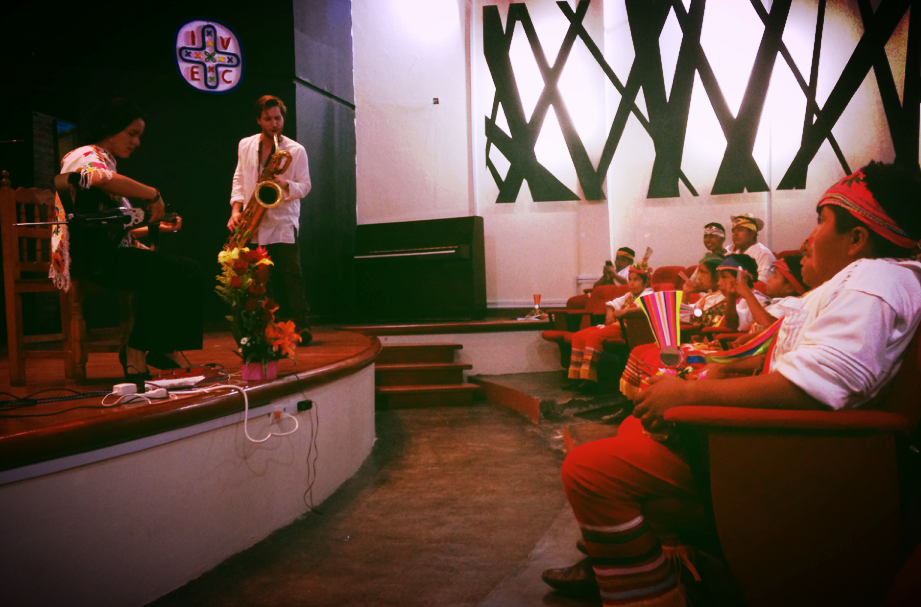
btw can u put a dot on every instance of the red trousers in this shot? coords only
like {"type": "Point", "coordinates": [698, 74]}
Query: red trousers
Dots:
{"type": "Point", "coordinates": [587, 348]}
{"type": "Point", "coordinates": [609, 484]}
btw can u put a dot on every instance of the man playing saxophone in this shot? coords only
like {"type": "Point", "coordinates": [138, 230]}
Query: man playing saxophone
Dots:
{"type": "Point", "coordinates": [279, 227]}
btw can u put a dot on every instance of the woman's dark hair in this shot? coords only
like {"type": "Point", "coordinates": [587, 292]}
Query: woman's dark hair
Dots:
{"type": "Point", "coordinates": [711, 264]}
{"type": "Point", "coordinates": [748, 264]}
{"type": "Point", "coordinates": [897, 188]}
{"type": "Point", "coordinates": [795, 263]}
{"type": "Point", "coordinates": [113, 117]}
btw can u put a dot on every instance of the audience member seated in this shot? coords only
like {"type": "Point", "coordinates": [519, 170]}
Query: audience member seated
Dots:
{"type": "Point", "coordinates": [695, 285]}
{"type": "Point", "coordinates": [618, 272]}
{"type": "Point", "coordinates": [745, 230]}
{"type": "Point", "coordinates": [735, 269]}
{"type": "Point", "coordinates": [839, 351]}
{"type": "Point", "coordinates": [784, 280]}
{"type": "Point", "coordinates": [587, 344]}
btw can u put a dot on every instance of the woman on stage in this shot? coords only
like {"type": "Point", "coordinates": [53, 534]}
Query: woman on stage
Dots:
{"type": "Point", "coordinates": [168, 290]}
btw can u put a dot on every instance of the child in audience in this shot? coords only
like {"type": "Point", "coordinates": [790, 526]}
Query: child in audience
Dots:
{"type": "Point", "coordinates": [588, 344]}
{"type": "Point", "coordinates": [735, 269]}
{"type": "Point", "coordinates": [784, 280]}
{"type": "Point", "coordinates": [618, 272]}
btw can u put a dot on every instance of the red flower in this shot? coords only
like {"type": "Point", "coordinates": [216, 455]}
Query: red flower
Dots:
{"type": "Point", "coordinates": [261, 254]}
{"type": "Point", "coordinates": [269, 304]}
{"type": "Point", "coordinates": [267, 316]}
{"type": "Point", "coordinates": [251, 304]}
{"type": "Point", "coordinates": [261, 274]}
{"type": "Point", "coordinates": [236, 282]}
{"type": "Point", "coordinates": [240, 267]}
{"type": "Point", "coordinates": [257, 289]}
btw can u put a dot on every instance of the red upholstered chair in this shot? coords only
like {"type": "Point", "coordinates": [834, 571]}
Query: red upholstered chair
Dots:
{"type": "Point", "coordinates": [666, 274]}
{"type": "Point", "coordinates": [571, 319]}
{"type": "Point", "coordinates": [806, 503]}
{"type": "Point", "coordinates": [787, 253]}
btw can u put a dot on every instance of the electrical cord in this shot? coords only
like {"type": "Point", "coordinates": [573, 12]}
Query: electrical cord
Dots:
{"type": "Point", "coordinates": [312, 448]}
{"type": "Point", "coordinates": [246, 412]}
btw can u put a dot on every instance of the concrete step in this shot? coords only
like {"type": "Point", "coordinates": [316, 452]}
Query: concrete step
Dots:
{"type": "Point", "coordinates": [417, 353]}
{"type": "Point", "coordinates": [432, 395]}
{"type": "Point", "coordinates": [415, 374]}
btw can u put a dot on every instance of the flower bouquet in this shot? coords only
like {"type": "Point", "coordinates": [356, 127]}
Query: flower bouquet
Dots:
{"type": "Point", "coordinates": [262, 341]}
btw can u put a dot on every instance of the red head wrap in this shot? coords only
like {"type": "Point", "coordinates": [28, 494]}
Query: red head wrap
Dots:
{"type": "Point", "coordinates": [852, 194]}
{"type": "Point", "coordinates": [783, 267]}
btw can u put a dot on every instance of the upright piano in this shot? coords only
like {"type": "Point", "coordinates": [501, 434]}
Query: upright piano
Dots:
{"type": "Point", "coordinates": [421, 270]}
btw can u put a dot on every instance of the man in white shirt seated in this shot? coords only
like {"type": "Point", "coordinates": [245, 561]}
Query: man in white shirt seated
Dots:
{"type": "Point", "coordinates": [745, 230]}
{"type": "Point", "coordinates": [838, 350]}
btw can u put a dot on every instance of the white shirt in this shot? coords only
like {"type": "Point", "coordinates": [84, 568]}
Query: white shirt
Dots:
{"type": "Point", "coordinates": [762, 256]}
{"type": "Point", "coordinates": [848, 337]}
{"type": "Point", "coordinates": [627, 300]}
{"type": "Point", "coordinates": [277, 223]}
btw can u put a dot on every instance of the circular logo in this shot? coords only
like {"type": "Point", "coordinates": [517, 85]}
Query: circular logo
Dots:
{"type": "Point", "coordinates": [209, 57]}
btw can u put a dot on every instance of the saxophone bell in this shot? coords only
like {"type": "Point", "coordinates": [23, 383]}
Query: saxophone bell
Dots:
{"type": "Point", "coordinates": [269, 194]}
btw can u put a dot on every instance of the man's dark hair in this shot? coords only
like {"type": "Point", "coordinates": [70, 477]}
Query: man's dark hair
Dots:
{"type": "Point", "coordinates": [113, 117]}
{"type": "Point", "coordinates": [267, 102]}
{"type": "Point", "coordinates": [629, 250]}
{"type": "Point", "coordinates": [713, 224]}
{"type": "Point", "coordinates": [897, 188]}
{"type": "Point", "coordinates": [748, 264]}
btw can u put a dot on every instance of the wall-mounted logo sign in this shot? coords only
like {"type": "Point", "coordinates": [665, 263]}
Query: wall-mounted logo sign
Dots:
{"type": "Point", "coordinates": [209, 56]}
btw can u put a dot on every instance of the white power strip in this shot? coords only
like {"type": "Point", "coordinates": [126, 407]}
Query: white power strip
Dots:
{"type": "Point", "coordinates": [174, 383]}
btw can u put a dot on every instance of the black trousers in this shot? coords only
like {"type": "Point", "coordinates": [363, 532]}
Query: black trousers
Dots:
{"type": "Point", "coordinates": [287, 281]}
{"type": "Point", "coordinates": [168, 295]}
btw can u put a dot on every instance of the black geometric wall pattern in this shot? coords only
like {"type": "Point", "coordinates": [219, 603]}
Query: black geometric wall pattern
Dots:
{"type": "Point", "coordinates": [667, 120]}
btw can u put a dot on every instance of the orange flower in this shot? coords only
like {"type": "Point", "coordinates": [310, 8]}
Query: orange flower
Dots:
{"type": "Point", "coordinates": [269, 304]}
{"type": "Point", "coordinates": [283, 337]}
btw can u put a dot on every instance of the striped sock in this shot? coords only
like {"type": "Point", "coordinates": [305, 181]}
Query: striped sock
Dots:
{"type": "Point", "coordinates": [630, 566]}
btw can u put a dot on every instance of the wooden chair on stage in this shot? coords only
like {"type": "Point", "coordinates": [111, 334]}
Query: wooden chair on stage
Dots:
{"type": "Point", "coordinates": [807, 503]}
{"type": "Point", "coordinates": [26, 260]}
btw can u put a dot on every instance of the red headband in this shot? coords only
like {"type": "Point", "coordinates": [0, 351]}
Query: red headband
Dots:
{"type": "Point", "coordinates": [852, 194]}
{"type": "Point", "coordinates": [784, 268]}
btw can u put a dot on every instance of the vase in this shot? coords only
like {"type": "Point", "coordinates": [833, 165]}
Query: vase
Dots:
{"type": "Point", "coordinates": [258, 372]}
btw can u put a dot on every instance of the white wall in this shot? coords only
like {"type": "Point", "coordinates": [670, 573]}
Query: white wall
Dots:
{"type": "Point", "coordinates": [130, 528]}
{"type": "Point", "coordinates": [413, 157]}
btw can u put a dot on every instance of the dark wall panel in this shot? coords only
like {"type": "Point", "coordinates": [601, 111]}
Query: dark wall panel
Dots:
{"type": "Point", "coordinates": [326, 129]}
{"type": "Point", "coordinates": [323, 46]}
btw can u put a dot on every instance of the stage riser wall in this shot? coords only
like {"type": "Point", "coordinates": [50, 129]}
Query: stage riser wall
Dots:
{"type": "Point", "coordinates": [493, 353]}
{"type": "Point", "coordinates": [127, 530]}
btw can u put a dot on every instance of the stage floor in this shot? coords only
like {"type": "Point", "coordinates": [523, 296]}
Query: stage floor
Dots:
{"type": "Point", "coordinates": [35, 433]}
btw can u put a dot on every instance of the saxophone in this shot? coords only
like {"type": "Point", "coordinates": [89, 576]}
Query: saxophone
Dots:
{"type": "Point", "coordinates": [267, 195]}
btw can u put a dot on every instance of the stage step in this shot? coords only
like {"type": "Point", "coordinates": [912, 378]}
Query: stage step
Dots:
{"type": "Point", "coordinates": [422, 375]}
{"type": "Point", "coordinates": [436, 395]}
{"type": "Point", "coordinates": [414, 374]}
{"type": "Point", "coordinates": [417, 353]}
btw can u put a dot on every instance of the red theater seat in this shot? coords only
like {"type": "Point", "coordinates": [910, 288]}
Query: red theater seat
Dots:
{"type": "Point", "coordinates": [806, 503]}
{"type": "Point", "coordinates": [571, 319]}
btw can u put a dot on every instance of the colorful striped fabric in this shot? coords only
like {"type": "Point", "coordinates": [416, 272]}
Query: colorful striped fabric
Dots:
{"type": "Point", "coordinates": [663, 311]}
{"type": "Point", "coordinates": [759, 345]}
